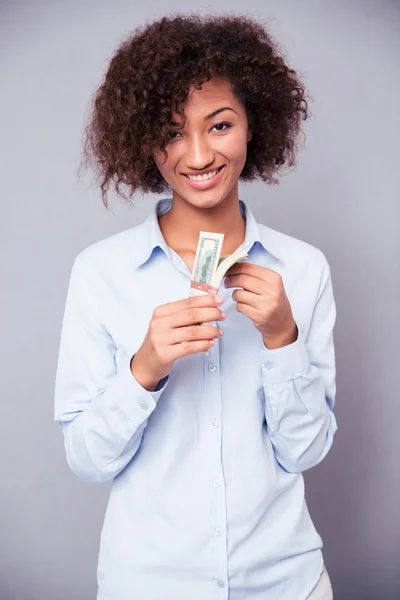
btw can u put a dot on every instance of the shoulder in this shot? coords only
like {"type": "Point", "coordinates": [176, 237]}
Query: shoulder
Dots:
{"type": "Point", "coordinates": [113, 253]}
{"type": "Point", "coordinates": [291, 251]}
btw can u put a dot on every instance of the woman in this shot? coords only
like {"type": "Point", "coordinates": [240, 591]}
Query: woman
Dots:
{"type": "Point", "coordinates": [205, 449]}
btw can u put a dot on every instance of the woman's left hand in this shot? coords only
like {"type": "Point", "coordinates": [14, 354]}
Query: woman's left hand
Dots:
{"type": "Point", "coordinates": [263, 299]}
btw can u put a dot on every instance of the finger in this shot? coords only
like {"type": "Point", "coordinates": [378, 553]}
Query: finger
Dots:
{"type": "Point", "coordinates": [245, 297]}
{"type": "Point", "coordinates": [185, 348]}
{"type": "Point", "coordinates": [248, 311]}
{"type": "Point", "coordinates": [191, 302]}
{"type": "Point", "coordinates": [249, 268]}
{"type": "Point", "coordinates": [193, 333]}
{"type": "Point", "coordinates": [192, 316]}
{"type": "Point", "coordinates": [247, 282]}
{"type": "Point", "coordinates": [255, 271]}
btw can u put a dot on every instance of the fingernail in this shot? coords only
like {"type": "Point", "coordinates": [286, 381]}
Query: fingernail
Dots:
{"type": "Point", "coordinates": [219, 300]}
{"type": "Point", "coordinates": [221, 332]}
{"type": "Point", "coordinates": [223, 315]}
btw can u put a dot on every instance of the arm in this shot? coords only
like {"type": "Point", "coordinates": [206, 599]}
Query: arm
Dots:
{"type": "Point", "coordinates": [101, 409]}
{"type": "Point", "coordinates": [299, 388]}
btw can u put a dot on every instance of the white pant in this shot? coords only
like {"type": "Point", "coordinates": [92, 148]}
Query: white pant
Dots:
{"type": "Point", "coordinates": [323, 589]}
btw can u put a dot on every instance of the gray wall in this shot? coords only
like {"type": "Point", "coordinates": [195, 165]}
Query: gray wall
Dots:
{"type": "Point", "coordinates": [343, 198]}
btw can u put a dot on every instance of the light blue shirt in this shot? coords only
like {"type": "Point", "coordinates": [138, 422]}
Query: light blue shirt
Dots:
{"type": "Point", "coordinates": [207, 499]}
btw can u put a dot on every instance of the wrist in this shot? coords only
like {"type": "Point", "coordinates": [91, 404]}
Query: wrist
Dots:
{"type": "Point", "coordinates": [147, 380]}
{"type": "Point", "coordinates": [279, 341]}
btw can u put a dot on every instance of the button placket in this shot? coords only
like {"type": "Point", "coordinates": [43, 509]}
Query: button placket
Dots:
{"type": "Point", "coordinates": [213, 393]}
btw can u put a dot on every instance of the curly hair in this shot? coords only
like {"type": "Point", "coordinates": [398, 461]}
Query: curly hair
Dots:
{"type": "Point", "coordinates": [150, 76]}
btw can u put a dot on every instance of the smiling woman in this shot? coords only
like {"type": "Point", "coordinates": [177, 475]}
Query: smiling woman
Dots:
{"type": "Point", "coordinates": [204, 419]}
{"type": "Point", "coordinates": [145, 92]}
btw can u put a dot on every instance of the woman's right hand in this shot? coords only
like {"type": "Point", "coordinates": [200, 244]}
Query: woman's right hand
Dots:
{"type": "Point", "coordinates": [174, 332]}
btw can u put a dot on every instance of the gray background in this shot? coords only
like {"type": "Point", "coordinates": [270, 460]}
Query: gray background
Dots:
{"type": "Point", "coordinates": [343, 198]}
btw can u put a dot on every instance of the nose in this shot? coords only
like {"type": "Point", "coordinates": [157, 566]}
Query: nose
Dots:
{"type": "Point", "coordinates": [199, 153]}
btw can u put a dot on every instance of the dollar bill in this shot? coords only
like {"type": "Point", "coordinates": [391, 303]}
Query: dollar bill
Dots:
{"type": "Point", "coordinates": [209, 267]}
{"type": "Point", "coordinates": [206, 263]}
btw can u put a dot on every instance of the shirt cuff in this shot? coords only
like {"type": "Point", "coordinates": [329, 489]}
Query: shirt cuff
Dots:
{"type": "Point", "coordinates": [285, 363]}
{"type": "Point", "coordinates": [135, 401]}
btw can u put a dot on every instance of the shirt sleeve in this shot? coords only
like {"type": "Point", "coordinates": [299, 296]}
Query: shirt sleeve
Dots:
{"type": "Point", "coordinates": [99, 405]}
{"type": "Point", "coordinates": [299, 388]}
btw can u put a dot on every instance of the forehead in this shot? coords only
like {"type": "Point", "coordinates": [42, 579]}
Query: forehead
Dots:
{"type": "Point", "coordinates": [213, 92]}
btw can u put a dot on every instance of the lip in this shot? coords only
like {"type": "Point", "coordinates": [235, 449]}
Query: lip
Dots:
{"type": "Point", "coordinates": [203, 185]}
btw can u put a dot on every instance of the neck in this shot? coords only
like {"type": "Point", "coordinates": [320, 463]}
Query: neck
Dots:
{"type": "Point", "coordinates": [181, 225]}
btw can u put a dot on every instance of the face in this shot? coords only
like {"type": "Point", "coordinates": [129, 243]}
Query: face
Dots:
{"type": "Point", "coordinates": [213, 139]}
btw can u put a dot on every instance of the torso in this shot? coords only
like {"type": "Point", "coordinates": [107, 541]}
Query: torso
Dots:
{"type": "Point", "coordinates": [188, 257]}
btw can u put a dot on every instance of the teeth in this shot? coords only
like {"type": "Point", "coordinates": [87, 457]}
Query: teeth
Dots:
{"type": "Point", "coordinates": [203, 177]}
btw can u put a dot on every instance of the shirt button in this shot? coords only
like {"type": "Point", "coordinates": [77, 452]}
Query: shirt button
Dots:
{"type": "Point", "coordinates": [217, 482]}
{"type": "Point", "coordinates": [215, 423]}
{"type": "Point", "coordinates": [212, 367]}
{"type": "Point", "coordinates": [269, 366]}
{"type": "Point", "coordinates": [220, 583]}
{"type": "Point", "coordinates": [218, 531]}
{"type": "Point", "coordinates": [143, 405]}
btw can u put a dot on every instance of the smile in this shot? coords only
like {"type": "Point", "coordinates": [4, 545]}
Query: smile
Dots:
{"type": "Point", "coordinates": [202, 182]}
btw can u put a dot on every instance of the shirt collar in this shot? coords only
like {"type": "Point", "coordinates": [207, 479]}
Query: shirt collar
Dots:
{"type": "Point", "coordinates": [151, 236]}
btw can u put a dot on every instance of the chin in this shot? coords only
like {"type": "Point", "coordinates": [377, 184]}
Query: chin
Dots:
{"type": "Point", "coordinates": [204, 202]}
{"type": "Point", "coordinates": [206, 199]}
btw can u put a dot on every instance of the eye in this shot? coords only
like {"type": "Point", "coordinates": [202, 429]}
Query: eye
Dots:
{"type": "Point", "coordinates": [169, 132]}
{"type": "Point", "coordinates": [227, 125]}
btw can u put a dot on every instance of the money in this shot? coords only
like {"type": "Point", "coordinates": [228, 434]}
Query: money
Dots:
{"type": "Point", "coordinates": [206, 263]}
{"type": "Point", "coordinates": [209, 267]}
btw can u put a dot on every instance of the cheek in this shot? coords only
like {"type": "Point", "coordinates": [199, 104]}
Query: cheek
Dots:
{"type": "Point", "coordinates": [238, 148]}
{"type": "Point", "coordinates": [164, 168]}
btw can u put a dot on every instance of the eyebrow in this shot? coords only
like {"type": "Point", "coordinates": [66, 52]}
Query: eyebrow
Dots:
{"type": "Point", "coordinates": [211, 115]}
